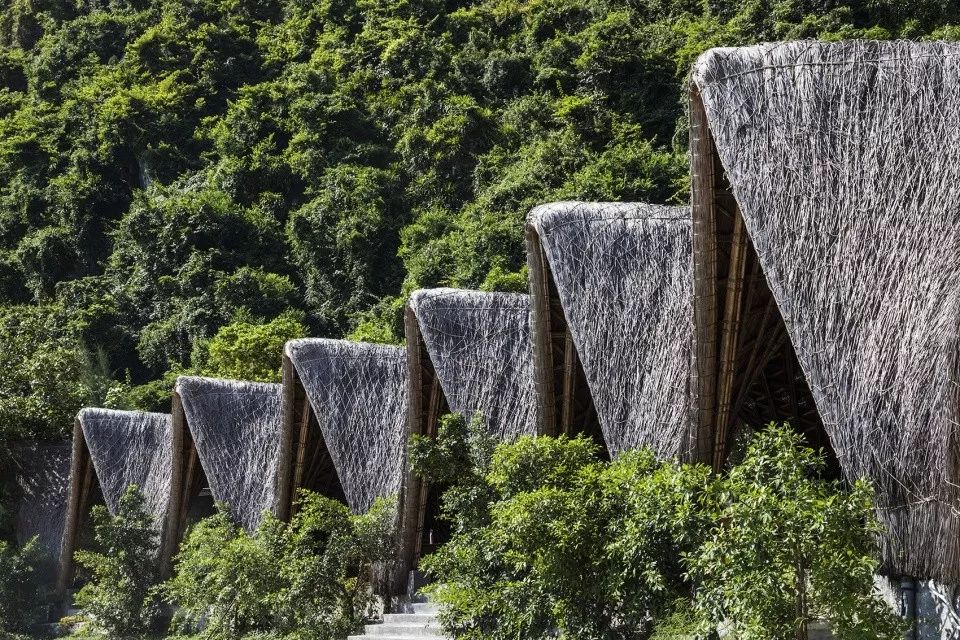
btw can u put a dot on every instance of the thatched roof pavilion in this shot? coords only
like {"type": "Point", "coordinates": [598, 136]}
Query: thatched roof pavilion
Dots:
{"type": "Point", "coordinates": [111, 451]}
{"type": "Point", "coordinates": [40, 472]}
{"type": "Point", "coordinates": [612, 288]}
{"type": "Point", "coordinates": [827, 267]}
{"type": "Point", "coordinates": [344, 420]}
{"type": "Point", "coordinates": [468, 352]}
{"type": "Point", "coordinates": [231, 433]}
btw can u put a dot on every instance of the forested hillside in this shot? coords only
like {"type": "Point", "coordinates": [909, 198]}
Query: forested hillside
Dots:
{"type": "Point", "coordinates": [184, 184]}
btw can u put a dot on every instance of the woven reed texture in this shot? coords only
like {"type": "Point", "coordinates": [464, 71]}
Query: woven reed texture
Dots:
{"type": "Point", "coordinates": [131, 447]}
{"type": "Point", "coordinates": [479, 345]}
{"type": "Point", "coordinates": [623, 272]}
{"type": "Point", "coordinates": [358, 393]}
{"type": "Point", "coordinates": [845, 160]}
{"type": "Point", "coordinates": [236, 427]}
{"type": "Point", "coordinates": [41, 472]}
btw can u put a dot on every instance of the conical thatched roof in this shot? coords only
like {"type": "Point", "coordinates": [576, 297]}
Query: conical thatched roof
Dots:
{"type": "Point", "coordinates": [358, 394]}
{"type": "Point", "coordinates": [119, 449]}
{"type": "Point", "coordinates": [844, 159]}
{"type": "Point", "coordinates": [236, 428]}
{"type": "Point", "coordinates": [130, 447]}
{"type": "Point", "coordinates": [479, 345]}
{"type": "Point", "coordinates": [623, 273]}
{"type": "Point", "coordinates": [41, 473]}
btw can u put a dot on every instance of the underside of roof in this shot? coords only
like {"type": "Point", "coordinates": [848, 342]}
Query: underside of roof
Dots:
{"type": "Point", "coordinates": [41, 472]}
{"type": "Point", "coordinates": [131, 447]}
{"type": "Point", "coordinates": [479, 345]}
{"type": "Point", "coordinates": [236, 429]}
{"type": "Point", "coordinates": [844, 159]}
{"type": "Point", "coordinates": [623, 272]}
{"type": "Point", "coordinates": [358, 394]}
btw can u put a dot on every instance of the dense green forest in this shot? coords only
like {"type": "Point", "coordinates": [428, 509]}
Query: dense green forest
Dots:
{"type": "Point", "coordinates": [184, 184]}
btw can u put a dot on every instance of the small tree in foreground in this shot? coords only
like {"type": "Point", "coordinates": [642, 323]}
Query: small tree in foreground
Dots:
{"type": "Point", "coordinates": [309, 578]}
{"type": "Point", "coordinates": [548, 538]}
{"type": "Point", "coordinates": [21, 592]}
{"type": "Point", "coordinates": [550, 541]}
{"type": "Point", "coordinates": [120, 600]}
{"type": "Point", "coordinates": [786, 547]}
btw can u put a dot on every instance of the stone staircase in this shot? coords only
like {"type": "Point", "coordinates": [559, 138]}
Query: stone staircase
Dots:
{"type": "Point", "coordinates": [420, 622]}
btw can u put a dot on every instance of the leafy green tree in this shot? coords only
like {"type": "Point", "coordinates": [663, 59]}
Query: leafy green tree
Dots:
{"type": "Point", "coordinates": [22, 594]}
{"type": "Point", "coordinates": [46, 374]}
{"type": "Point", "coordinates": [120, 600]}
{"type": "Point", "coordinates": [785, 547]}
{"type": "Point", "coordinates": [166, 167]}
{"type": "Point", "coordinates": [310, 578]}
{"type": "Point", "coordinates": [247, 351]}
{"type": "Point", "coordinates": [547, 537]}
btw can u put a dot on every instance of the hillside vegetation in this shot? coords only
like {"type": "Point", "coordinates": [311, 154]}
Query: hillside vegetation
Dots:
{"type": "Point", "coordinates": [185, 184]}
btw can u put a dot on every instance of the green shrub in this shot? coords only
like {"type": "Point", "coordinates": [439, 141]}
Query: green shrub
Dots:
{"type": "Point", "coordinates": [120, 600]}
{"type": "Point", "coordinates": [310, 578]}
{"type": "Point", "coordinates": [785, 547]}
{"type": "Point", "coordinates": [22, 594]}
{"type": "Point", "coordinates": [549, 540]}
{"type": "Point", "coordinates": [547, 537]}
{"type": "Point", "coordinates": [251, 351]}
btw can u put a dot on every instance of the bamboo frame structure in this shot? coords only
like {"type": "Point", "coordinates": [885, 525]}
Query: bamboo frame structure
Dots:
{"type": "Point", "coordinates": [236, 446]}
{"type": "Point", "coordinates": [425, 404]}
{"type": "Point", "coordinates": [85, 480]}
{"type": "Point", "coordinates": [344, 411]}
{"type": "Point", "coordinates": [468, 352]}
{"type": "Point", "coordinates": [305, 461]}
{"type": "Point", "coordinates": [566, 406]}
{"type": "Point", "coordinates": [827, 269]}
{"type": "Point", "coordinates": [612, 288]}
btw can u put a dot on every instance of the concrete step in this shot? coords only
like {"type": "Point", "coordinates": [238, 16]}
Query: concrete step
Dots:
{"type": "Point", "coordinates": [408, 630]}
{"type": "Point", "coordinates": [366, 637]}
{"type": "Point", "coordinates": [425, 607]}
{"type": "Point", "coordinates": [409, 618]}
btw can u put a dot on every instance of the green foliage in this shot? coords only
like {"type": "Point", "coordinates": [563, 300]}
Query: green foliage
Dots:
{"type": "Point", "coordinates": [120, 600]}
{"type": "Point", "coordinates": [785, 548]}
{"type": "Point", "coordinates": [21, 591]}
{"type": "Point", "coordinates": [246, 351]}
{"type": "Point", "coordinates": [547, 539]}
{"type": "Point", "coordinates": [171, 168]}
{"type": "Point", "coordinates": [46, 374]}
{"type": "Point", "coordinates": [310, 578]}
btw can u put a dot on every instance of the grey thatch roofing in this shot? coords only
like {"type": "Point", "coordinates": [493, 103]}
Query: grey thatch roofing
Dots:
{"type": "Point", "coordinates": [358, 394]}
{"type": "Point", "coordinates": [479, 345]}
{"type": "Point", "coordinates": [623, 273]}
{"type": "Point", "coordinates": [41, 472]}
{"type": "Point", "coordinates": [845, 161]}
{"type": "Point", "coordinates": [131, 447]}
{"type": "Point", "coordinates": [236, 428]}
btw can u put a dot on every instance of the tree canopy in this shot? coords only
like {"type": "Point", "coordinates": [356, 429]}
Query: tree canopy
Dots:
{"type": "Point", "coordinates": [181, 180]}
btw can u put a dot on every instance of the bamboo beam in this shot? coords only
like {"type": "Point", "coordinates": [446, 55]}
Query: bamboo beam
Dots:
{"type": "Point", "coordinates": [569, 384]}
{"type": "Point", "coordinates": [79, 459]}
{"type": "Point", "coordinates": [729, 337]}
{"type": "Point", "coordinates": [543, 332]}
{"type": "Point", "coordinates": [304, 435]}
{"type": "Point", "coordinates": [703, 212]}
{"type": "Point", "coordinates": [283, 497]}
{"type": "Point", "coordinates": [410, 494]}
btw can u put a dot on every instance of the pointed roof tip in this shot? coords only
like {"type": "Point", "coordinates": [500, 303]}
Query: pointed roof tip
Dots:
{"type": "Point", "coordinates": [104, 412]}
{"type": "Point", "coordinates": [293, 348]}
{"type": "Point", "coordinates": [720, 63]}
{"type": "Point", "coordinates": [545, 217]}
{"type": "Point", "coordinates": [204, 383]}
{"type": "Point", "coordinates": [427, 299]}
